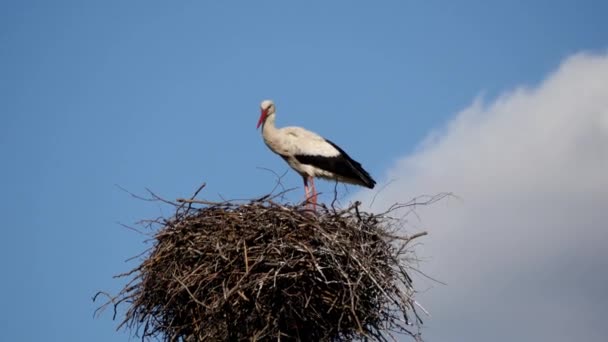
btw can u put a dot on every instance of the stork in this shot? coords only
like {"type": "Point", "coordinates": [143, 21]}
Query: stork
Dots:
{"type": "Point", "coordinates": [309, 154]}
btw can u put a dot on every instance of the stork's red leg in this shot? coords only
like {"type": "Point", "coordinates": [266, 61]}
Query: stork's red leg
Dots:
{"type": "Point", "coordinates": [306, 192]}
{"type": "Point", "coordinates": [314, 191]}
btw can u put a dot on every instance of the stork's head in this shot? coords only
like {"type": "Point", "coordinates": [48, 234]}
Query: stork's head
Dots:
{"type": "Point", "coordinates": [267, 109]}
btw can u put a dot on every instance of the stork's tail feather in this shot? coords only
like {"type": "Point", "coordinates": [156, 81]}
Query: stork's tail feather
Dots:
{"type": "Point", "coordinates": [362, 176]}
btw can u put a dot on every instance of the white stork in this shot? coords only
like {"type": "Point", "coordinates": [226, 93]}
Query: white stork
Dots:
{"type": "Point", "coordinates": [309, 154]}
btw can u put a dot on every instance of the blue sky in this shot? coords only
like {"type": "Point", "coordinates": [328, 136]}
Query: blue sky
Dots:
{"type": "Point", "coordinates": [165, 95]}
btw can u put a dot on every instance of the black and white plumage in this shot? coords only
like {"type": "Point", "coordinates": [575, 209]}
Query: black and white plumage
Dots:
{"type": "Point", "coordinates": [309, 154]}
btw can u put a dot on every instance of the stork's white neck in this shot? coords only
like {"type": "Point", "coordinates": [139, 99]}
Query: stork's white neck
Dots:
{"type": "Point", "coordinates": [268, 127]}
{"type": "Point", "coordinates": [272, 136]}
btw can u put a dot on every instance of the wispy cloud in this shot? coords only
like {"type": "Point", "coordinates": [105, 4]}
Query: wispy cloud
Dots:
{"type": "Point", "coordinates": [525, 252]}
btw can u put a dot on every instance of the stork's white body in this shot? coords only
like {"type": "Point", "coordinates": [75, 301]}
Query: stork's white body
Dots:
{"type": "Point", "coordinates": [309, 154]}
{"type": "Point", "coordinates": [289, 142]}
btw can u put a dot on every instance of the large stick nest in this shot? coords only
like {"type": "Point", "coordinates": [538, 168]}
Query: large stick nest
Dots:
{"type": "Point", "coordinates": [260, 270]}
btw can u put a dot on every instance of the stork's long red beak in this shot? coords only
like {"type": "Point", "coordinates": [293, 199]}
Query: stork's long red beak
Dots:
{"type": "Point", "coordinates": [262, 118]}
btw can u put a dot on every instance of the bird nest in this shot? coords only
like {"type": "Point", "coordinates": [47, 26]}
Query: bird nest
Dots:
{"type": "Point", "coordinates": [260, 270]}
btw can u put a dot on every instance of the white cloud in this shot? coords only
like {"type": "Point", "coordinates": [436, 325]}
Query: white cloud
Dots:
{"type": "Point", "coordinates": [525, 251]}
